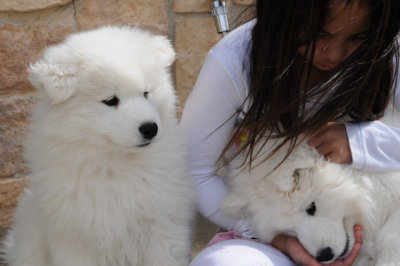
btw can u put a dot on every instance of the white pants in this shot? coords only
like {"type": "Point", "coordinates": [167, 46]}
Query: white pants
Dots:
{"type": "Point", "coordinates": [240, 252]}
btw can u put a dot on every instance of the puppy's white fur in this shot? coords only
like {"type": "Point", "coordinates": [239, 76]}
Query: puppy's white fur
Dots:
{"type": "Point", "coordinates": [100, 193]}
{"type": "Point", "coordinates": [279, 200]}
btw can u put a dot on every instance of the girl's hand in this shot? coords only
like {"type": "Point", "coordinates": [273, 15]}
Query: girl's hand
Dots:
{"type": "Point", "coordinates": [332, 142]}
{"type": "Point", "coordinates": [292, 247]}
{"type": "Point", "coordinates": [354, 251]}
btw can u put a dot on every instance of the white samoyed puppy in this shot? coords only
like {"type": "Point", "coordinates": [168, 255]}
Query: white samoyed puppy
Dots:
{"type": "Point", "coordinates": [319, 202]}
{"type": "Point", "coordinates": [109, 183]}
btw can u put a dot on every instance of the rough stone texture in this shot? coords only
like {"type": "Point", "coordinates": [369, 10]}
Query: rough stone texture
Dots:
{"type": "Point", "coordinates": [21, 45]}
{"type": "Point", "coordinates": [151, 15]}
{"type": "Point", "coordinates": [60, 15]}
{"type": "Point", "coordinates": [193, 39]}
{"type": "Point", "coordinates": [244, 2]}
{"type": "Point", "coordinates": [240, 14]}
{"type": "Point", "coordinates": [14, 123]}
{"type": "Point", "coordinates": [29, 5]}
{"type": "Point", "coordinates": [192, 6]}
{"type": "Point", "coordinates": [10, 191]}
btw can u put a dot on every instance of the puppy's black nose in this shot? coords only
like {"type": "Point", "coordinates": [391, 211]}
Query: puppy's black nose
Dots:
{"type": "Point", "coordinates": [148, 130]}
{"type": "Point", "coordinates": [325, 254]}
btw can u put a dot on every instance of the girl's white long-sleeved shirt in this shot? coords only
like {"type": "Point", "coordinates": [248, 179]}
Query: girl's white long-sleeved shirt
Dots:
{"type": "Point", "coordinates": [214, 105]}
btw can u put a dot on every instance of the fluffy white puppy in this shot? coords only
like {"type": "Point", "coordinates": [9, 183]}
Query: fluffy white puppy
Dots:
{"type": "Point", "coordinates": [319, 202]}
{"type": "Point", "coordinates": [109, 183]}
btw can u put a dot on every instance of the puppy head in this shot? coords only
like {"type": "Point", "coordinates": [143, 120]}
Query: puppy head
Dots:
{"type": "Point", "coordinates": [327, 203]}
{"type": "Point", "coordinates": [321, 208]}
{"type": "Point", "coordinates": [110, 84]}
{"type": "Point", "coordinates": [317, 201]}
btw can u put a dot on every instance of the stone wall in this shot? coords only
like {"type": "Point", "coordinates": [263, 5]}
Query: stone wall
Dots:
{"type": "Point", "coordinates": [28, 26]}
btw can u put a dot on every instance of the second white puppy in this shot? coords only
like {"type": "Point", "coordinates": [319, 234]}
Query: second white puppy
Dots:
{"type": "Point", "coordinates": [319, 202]}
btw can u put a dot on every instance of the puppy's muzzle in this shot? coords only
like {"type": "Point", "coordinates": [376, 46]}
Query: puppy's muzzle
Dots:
{"type": "Point", "coordinates": [148, 130]}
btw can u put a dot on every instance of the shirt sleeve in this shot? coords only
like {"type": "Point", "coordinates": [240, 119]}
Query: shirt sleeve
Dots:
{"type": "Point", "coordinates": [375, 145]}
{"type": "Point", "coordinates": [207, 121]}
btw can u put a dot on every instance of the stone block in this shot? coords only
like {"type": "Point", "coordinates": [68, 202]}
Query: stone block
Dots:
{"type": "Point", "coordinates": [192, 6]}
{"type": "Point", "coordinates": [244, 2]}
{"type": "Point", "coordinates": [193, 39]}
{"type": "Point", "coordinates": [14, 126]}
{"type": "Point", "coordinates": [21, 45]}
{"type": "Point", "coordinates": [151, 15]}
{"type": "Point", "coordinates": [59, 15]}
{"type": "Point", "coordinates": [10, 191]}
{"type": "Point", "coordinates": [240, 14]}
{"type": "Point", "coordinates": [29, 5]}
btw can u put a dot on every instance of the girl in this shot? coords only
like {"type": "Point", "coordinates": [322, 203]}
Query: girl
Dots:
{"type": "Point", "coordinates": [294, 70]}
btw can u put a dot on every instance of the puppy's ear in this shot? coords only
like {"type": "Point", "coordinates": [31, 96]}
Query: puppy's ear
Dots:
{"type": "Point", "coordinates": [56, 80]}
{"type": "Point", "coordinates": [287, 180]}
{"type": "Point", "coordinates": [298, 164]}
{"type": "Point", "coordinates": [284, 179]}
{"type": "Point", "coordinates": [164, 50]}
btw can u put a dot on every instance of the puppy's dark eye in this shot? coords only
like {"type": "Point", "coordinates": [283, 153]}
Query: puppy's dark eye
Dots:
{"type": "Point", "coordinates": [112, 101]}
{"type": "Point", "coordinates": [146, 94]}
{"type": "Point", "coordinates": [311, 209]}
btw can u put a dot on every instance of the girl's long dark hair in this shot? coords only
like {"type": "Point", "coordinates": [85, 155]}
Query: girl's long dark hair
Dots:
{"type": "Point", "coordinates": [360, 88]}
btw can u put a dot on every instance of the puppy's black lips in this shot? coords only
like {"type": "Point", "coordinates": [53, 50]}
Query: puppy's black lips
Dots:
{"type": "Point", "coordinates": [144, 144]}
{"type": "Point", "coordinates": [346, 248]}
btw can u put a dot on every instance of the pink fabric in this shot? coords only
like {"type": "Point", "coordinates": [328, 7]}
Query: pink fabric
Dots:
{"type": "Point", "coordinates": [227, 236]}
